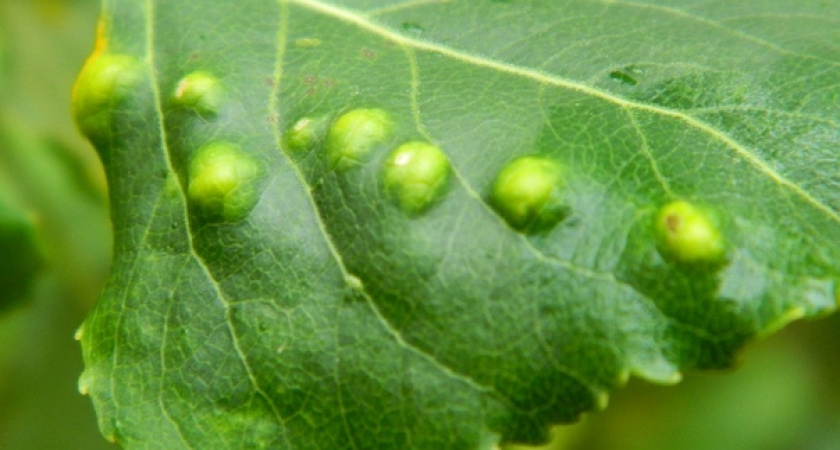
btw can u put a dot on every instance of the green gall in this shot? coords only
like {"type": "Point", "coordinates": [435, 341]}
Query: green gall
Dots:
{"type": "Point", "coordinates": [688, 234]}
{"type": "Point", "coordinates": [529, 194]}
{"type": "Point", "coordinates": [103, 85]}
{"type": "Point", "coordinates": [305, 134]}
{"type": "Point", "coordinates": [223, 182]}
{"type": "Point", "coordinates": [416, 174]}
{"type": "Point", "coordinates": [199, 91]}
{"type": "Point", "coordinates": [354, 134]}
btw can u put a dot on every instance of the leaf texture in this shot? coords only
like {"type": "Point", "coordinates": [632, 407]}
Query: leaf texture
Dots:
{"type": "Point", "coordinates": [315, 312]}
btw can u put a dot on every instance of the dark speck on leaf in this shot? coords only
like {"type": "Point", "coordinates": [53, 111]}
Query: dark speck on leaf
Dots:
{"type": "Point", "coordinates": [623, 77]}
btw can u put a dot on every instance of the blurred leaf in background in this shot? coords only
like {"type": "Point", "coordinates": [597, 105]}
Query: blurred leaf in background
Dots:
{"type": "Point", "coordinates": [52, 194]}
{"type": "Point", "coordinates": [784, 396]}
{"type": "Point", "coordinates": [20, 252]}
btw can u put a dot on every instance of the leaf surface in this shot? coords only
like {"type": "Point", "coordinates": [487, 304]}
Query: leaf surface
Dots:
{"type": "Point", "coordinates": [296, 304]}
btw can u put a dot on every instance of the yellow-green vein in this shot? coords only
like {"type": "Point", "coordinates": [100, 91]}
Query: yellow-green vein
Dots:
{"type": "Point", "coordinates": [482, 61]}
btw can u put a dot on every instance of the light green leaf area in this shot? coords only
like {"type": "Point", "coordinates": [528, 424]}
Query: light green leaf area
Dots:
{"type": "Point", "coordinates": [303, 303]}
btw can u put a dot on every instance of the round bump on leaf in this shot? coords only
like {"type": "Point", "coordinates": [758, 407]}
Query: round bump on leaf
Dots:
{"type": "Point", "coordinates": [223, 182]}
{"type": "Point", "coordinates": [201, 92]}
{"type": "Point", "coordinates": [415, 175]}
{"type": "Point", "coordinates": [84, 382]}
{"type": "Point", "coordinates": [688, 234]}
{"type": "Point", "coordinates": [104, 83]}
{"type": "Point", "coordinates": [305, 134]}
{"type": "Point", "coordinates": [354, 134]}
{"type": "Point", "coordinates": [529, 194]}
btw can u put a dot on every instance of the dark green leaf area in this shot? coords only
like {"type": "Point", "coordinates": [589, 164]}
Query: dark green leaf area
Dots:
{"type": "Point", "coordinates": [279, 294]}
{"type": "Point", "coordinates": [21, 257]}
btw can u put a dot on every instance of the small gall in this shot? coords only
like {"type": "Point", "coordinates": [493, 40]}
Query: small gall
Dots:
{"type": "Point", "coordinates": [529, 193]}
{"type": "Point", "coordinates": [306, 134]}
{"type": "Point", "coordinates": [416, 174]}
{"type": "Point", "coordinates": [105, 82]}
{"type": "Point", "coordinates": [354, 135]}
{"type": "Point", "coordinates": [223, 182]}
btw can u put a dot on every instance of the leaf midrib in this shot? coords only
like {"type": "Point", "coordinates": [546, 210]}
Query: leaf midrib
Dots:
{"type": "Point", "coordinates": [539, 255]}
{"type": "Point", "coordinates": [337, 257]}
{"type": "Point", "coordinates": [330, 242]}
{"type": "Point", "coordinates": [411, 43]}
{"type": "Point", "coordinates": [158, 103]}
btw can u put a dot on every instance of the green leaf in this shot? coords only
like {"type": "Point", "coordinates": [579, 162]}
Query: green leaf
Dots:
{"type": "Point", "coordinates": [51, 177]}
{"type": "Point", "coordinates": [20, 252]}
{"type": "Point", "coordinates": [298, 305]}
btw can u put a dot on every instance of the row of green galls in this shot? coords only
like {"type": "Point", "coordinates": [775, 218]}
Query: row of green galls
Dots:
{"type": "Point", "coordinates": [529, 193]}
{"type": "Point", "coordinates": [415, 174]}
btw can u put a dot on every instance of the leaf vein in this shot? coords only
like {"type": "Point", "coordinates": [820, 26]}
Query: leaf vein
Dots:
{"type": "Point", "coordinates": [525, 72]}
{"type": "Point", "coordinates": [568, 265]}
{"type": "Point", "coordinates": [719, 25]}
{"type": "Point", "coordinates": [337, 255]}
{"type": "Point", "coordinates": [158, 99]}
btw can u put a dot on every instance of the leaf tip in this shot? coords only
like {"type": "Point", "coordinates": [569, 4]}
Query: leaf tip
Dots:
{"type": "Point", "coordinates": [784, 319]}
{"type": "Point", "coordinates": [658, 370]}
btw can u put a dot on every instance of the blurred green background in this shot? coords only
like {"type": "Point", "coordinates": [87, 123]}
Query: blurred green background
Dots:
{"type": "Point", "coordinates": [55, 249]}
